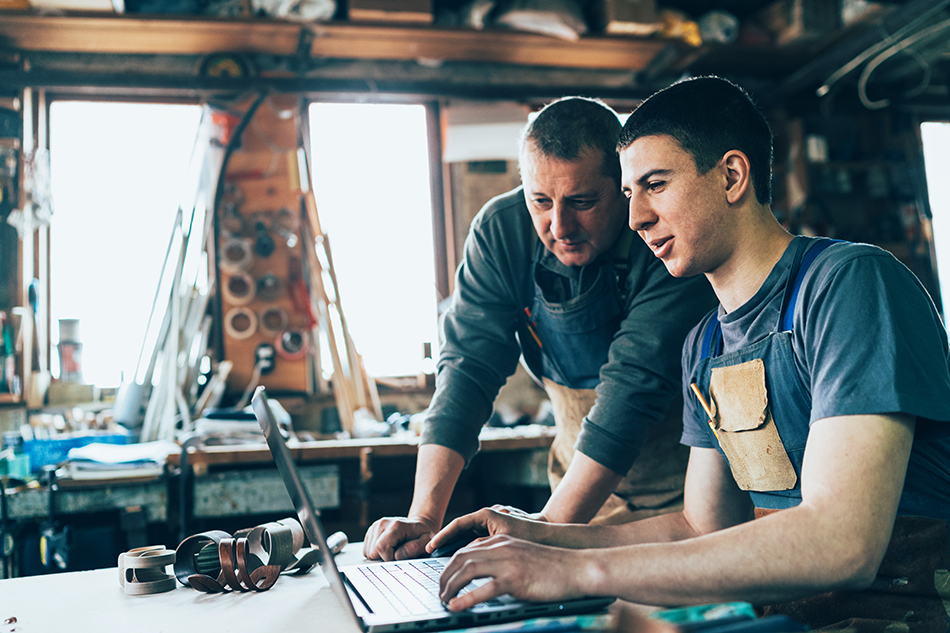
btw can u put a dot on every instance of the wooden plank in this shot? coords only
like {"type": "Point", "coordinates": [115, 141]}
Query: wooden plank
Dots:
{"type": "Point", "coordinates": [123, 34]}
{"type": "Point", "coordinates": [499, 46]}
{"type": "Point", "coordinates": [344, 449]}
{"type": "Point", "coordinates": [182, 36]}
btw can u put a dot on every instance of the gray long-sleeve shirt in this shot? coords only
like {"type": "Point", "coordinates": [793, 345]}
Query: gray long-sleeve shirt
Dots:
{"type": "Point", "coordinates": [481, 349]}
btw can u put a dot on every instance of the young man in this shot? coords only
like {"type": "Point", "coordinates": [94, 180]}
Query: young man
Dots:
{"type": "Point", "coordinates": [825, 374]}
{"type": "Point", "coordinates": [552, 272]}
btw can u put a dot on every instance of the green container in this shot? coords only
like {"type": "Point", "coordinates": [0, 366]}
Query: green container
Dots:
{"type": "Point", "coordinates": [15, 466]}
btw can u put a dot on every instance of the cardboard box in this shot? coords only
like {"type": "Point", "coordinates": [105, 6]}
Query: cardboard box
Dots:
{"type": "Point", "coordinates": [624, 17]}
{"type": "Point", "coordinates": [800, 21]}
{"type": "Point", "coordinates": [104, 6]}
{"type": "Point", "coordinates": [402, 11]}
{"type": "Point", "coordinates": [68, 393]}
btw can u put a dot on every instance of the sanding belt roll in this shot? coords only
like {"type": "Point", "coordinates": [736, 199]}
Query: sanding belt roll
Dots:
{"type": "Point", "coordinates": [251, 559]}
{"type": "Point", "coordinates": [142, 570]}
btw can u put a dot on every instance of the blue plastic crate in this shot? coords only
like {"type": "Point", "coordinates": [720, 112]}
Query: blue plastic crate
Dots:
{"type": "Point", "coordinates": [54, 450]}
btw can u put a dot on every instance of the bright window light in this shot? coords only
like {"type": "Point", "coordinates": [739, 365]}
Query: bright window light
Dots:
{"type": "Point", "coordinates": [117, 172]}
{"type": "Point", "coordinates": [371, 184]}
{"type": "Point", "coordinates": [936, 141]}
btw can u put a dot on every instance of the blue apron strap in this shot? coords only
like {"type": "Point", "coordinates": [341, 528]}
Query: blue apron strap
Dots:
{"type": "Point", "coordinates": [788, 311]}
{"type": "Point", "coordinates": [712, 337]}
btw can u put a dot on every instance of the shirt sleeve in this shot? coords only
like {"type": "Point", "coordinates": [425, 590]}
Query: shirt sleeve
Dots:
{"type": "Point", "coordinates": [870, 338]}
{"type": "Point", "coordinates": [642, 375]}
{"type": "Point", "coordinates": [480, 349]}
{"type": "Point", "coordinates": [695, 420]}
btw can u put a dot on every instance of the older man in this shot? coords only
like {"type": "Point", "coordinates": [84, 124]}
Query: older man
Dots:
{"type": "Point", "coordinates": [552, 274]}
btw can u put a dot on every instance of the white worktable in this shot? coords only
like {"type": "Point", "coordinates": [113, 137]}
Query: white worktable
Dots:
{"type": "Point", "coordinates": [93, 601]}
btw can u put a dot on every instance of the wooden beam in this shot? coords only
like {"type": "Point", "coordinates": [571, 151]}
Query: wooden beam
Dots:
{"type": "Point", "coordinates": [123, 34]}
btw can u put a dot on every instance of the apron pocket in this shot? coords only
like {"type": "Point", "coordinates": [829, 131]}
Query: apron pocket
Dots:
{"type": "Point", "coordinates": [745, 428]}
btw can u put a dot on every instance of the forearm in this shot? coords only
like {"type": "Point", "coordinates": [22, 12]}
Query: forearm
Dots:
{"type": "Point", "coordinates": [437, 471]}
{"type": "Point", "coordinates": [663, 528]}
{"type": "Point", "coordinates": [763, 561]}
{"type": "Point", "coordinates": [581, 493]}
{"type": "Point", "coordinates": [834, 539]}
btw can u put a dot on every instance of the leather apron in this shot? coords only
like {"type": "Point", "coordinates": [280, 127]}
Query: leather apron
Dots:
{"type": "Point", "coordinates": [575, 338]}
{"type": "Point", "coordinates": [761, 411]}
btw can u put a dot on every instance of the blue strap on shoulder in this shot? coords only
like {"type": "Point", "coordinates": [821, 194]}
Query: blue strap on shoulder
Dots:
{"type": "Point", "coordinates": [712, 336]}
{"type": "Point", "coordinates": [788, 311]}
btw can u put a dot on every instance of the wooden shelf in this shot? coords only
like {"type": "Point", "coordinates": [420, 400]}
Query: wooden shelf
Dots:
{"type": "Point", "coordinates": [344, 449]}
{"type": "Point", "coordinates": [163, 35]}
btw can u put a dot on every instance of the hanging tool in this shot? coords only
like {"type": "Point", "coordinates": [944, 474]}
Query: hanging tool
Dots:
{"type": "Point", "coordinates": [54, 537]}
{"type": "Point", "coordinates": [6, 533]}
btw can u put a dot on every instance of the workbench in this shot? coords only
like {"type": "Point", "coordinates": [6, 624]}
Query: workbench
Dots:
{"type": "Point", "coordinates": [94, 601]}
{"type": "Point", "coordinates": [89, 601]}
{"type": "Point", "coordinates": [218, 481]}
{"type": "Point", "coordinates": [229, 487]}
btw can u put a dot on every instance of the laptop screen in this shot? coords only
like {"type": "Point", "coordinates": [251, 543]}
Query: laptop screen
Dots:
{"type": "Point", "coordinates": [308, 515]}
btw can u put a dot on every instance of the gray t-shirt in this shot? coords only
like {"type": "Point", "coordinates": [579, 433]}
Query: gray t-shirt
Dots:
{"type": "Point", "coordinates": [481, 349]}
{"type": "Point", "coordinates": [866, 339]}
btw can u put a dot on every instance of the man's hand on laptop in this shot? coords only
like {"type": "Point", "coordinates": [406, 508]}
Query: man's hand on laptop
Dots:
{"type": "Point", "coordinates": [522, 569]}
{"type": "Point", "coordinates": [398, 538]}
{"type": "Point", "coordinates": [497, 519]}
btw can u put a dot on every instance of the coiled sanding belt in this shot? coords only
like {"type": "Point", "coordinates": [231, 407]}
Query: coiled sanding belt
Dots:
{"type": "Point", "coordinates": [142, 570]}
{"type": "Point", "coordinates": [251, 560]}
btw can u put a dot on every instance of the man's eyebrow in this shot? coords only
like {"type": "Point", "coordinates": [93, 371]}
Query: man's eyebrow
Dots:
{"type": "Point", "coordinates": [650, 174]}
{"type": "Point", "coordinates": [583, 194]}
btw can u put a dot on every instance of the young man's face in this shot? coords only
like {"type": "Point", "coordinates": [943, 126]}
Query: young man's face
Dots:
{"type": "Point", "coordinates": [676, 210]}
{"type": "Point", "coordinates": [577, 211]}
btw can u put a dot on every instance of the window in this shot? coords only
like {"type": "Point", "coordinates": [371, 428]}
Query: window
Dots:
{"type": "Point", "coordinates": [936, 142]}
{"type": "Point", "coordinates": [371, 184]}
{"type": "Point", "coordinates": [117, 171]}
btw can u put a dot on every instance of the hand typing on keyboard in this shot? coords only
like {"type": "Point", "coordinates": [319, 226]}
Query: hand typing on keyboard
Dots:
{"type": "Point", "coordinates": [410, 587]}
{"type": "Point", "coordinates": [519, 568]}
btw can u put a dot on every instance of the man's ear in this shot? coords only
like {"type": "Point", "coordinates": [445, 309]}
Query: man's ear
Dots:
{"type": "Point", "coordinates": [737, 169]}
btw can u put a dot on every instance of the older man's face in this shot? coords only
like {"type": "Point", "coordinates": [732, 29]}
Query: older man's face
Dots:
{"type": "Point", "coordinates": [577, 211]}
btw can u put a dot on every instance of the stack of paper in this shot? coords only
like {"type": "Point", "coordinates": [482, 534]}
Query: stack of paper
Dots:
{"type": "Point", "coordinates": [115, 461]}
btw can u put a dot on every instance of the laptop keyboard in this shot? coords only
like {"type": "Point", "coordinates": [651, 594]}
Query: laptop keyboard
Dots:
{"type": "Point", "coordinates": [411, 587]}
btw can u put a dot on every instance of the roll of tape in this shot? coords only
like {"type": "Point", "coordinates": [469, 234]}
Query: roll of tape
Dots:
{"type": "Point", "coordinates": [240, 323]}
{"type": "Point", "coordinates": [273, 320]}
{"type": "Point", "coordinates": [268, 287]}
{"type": "Point", "coordinates": [238, 289]}
{"type": "Point", "coordinates": [142, 570]}
{"type": "Point", "coordinates": [236, 255]}
{"type": "Point", "coordinates": [291, 344]}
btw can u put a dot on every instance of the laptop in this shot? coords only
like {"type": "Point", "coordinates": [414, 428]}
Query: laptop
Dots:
{"type": "Point", "coordinates": [402, 595]}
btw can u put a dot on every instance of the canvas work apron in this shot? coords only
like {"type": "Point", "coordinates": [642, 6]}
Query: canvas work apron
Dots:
{"type": "Point", "coordinates": [574, 338]}
{"type": "Point", "coordinates": [756, 398]}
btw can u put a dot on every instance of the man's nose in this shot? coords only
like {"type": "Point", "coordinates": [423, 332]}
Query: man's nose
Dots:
{"type": "Point", "coordinates": [641, 216]}
{"type": "Point", "coordinates": [562, 221]}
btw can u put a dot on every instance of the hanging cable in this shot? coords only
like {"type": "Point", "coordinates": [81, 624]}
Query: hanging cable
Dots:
{"type": "Point", "coordinates": [890, 52]}
{"type": "Point", "coordinates": [887, 40]}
